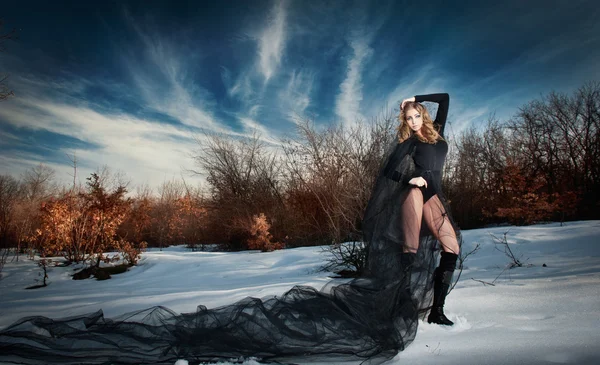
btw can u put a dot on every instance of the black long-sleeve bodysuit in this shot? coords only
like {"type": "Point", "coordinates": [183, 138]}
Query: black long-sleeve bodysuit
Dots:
{"type": "Point", "coordinates": [429, 158]}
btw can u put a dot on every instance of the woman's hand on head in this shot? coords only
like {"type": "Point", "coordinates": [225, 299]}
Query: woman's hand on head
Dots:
{"type": "Point", "coordinates": [406, 101]}
{"type": "Point", "coordinates": [418, 181]}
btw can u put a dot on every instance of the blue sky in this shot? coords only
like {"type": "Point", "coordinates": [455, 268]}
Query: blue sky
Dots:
{"type": "Point", "coordinates": [130, 84]}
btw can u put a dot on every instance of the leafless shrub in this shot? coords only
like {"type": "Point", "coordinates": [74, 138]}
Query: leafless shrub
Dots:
{"type": "Point", "coordinates": [346, 259]}
{"type": "Point", "coordinates": [330, 173]}
{"type": "Point", "coordinates": [461, 263]}
{"type": "Point", "coordinates": [336, 167]}
{"type": "Point", "coordinates": [244, 181]}
{"type": "Point", "coordinates": [43, 264]}
{"type": "Point", "coordinates": [37, 185]}
{"type": "Point", "coordinates": [503, 242]}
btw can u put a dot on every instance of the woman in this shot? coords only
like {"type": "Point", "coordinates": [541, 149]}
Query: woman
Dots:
{"type": "Point", "coordinates": [369, 319]}
{"type": "Point", "coordinates": [404, 197]}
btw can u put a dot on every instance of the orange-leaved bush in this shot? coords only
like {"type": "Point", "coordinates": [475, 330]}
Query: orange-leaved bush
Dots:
{"type": "Point", "coordinates": [260, 238]}
{"type": "Point", "coordinates": [82, 226]}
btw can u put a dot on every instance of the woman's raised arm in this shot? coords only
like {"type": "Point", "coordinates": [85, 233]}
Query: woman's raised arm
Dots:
{"type": "Point", "coordinates": [443, 100]}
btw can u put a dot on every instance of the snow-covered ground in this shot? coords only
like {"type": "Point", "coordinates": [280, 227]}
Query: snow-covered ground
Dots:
{"type": "Point", "coordinates": [533, 314]}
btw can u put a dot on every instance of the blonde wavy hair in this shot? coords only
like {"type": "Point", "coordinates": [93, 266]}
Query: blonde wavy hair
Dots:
{"type": "Point", "coordinates": [429, 132]}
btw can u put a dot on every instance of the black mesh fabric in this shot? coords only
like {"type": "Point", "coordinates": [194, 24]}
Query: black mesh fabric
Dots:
{"type": "Point", "coordinates": [368, 319]}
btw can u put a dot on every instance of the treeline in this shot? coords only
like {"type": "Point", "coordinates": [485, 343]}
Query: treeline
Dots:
{"type": "Point", "coordinates": [542, 164]}
{"type": "Point", "coordinates": [306, 191]}
{"type": "Point", "coordinates": [313, 189]}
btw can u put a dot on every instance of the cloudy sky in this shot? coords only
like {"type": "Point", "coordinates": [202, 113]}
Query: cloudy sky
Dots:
{"type": "Point", "coordinates": [129, 84]}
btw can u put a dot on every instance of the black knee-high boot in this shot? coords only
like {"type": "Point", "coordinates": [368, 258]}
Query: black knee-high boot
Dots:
{"type": "Point", "coordinates": [442, 278]}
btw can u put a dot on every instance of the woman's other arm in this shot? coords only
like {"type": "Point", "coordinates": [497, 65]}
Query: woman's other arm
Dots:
{"type": "Point", "coordinates": [389, 170]}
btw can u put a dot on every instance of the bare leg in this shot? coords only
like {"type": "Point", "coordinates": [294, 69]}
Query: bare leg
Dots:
{"type": "Point", "coordinates": [412, 214]}
{"type": "Point", "coordinates": [439, 224]}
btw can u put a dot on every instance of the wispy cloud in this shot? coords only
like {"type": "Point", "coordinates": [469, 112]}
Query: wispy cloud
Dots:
{"type": "Point", "coordinates": [161, 75]}
{"type": "Point", "coordinates": [145, 150]}
{"type": "Point", "coordinates": [8, 138]}
{"type": "Point", "coordinates": [422, 80]}
{"type": "Point", "coordinates": [462, 116]}
{"type": "Point", "coordinates": [295, 98]}
{"type": "Point", "coordinates": [17, 163]}
{"type": "Point", "coordinates": [254, 110]}
{"type": "Point", "coordinates": [251, 126]}
{"type": "Point", "coordinates": [248, 83]}
{"type": "Point", "coordinates": [272, 41]}
{"type": "Point", "coordinates": [349, 99]}
{"type": "Point", "coordinates": [242, 88]}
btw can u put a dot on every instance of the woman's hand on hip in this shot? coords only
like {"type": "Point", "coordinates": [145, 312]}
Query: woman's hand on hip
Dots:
{"type": "Point", "coordinates": [418, 181]}
{"type": "Point", "coordinates": [406, 101]}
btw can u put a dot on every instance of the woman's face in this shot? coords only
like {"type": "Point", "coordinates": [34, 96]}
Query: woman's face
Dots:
{"type": "Point", "coordinates": [414, 119]}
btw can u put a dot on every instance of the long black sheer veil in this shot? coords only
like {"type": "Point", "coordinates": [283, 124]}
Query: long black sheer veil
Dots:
{"type": "Point", "coordinates": [368, 319]}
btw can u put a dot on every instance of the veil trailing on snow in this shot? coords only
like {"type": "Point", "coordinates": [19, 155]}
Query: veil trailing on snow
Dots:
{"type": "Point", "coordinates": [368, 319]}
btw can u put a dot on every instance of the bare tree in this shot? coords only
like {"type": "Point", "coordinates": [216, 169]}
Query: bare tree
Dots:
{"type": "Point", "coordinates": [337, 167]}
{"type": "Point", "coordinates": [37, 185]}
{"type": "Point", "coordinates": [474, 183]}
{"type": "Point", "coordinates": [330, 173]}
{"type": "Point", "coordinates": [112, 179]}
{"type": "Point", "coordinates": [9, 195]}
{"type": "Point", "coordinates": [243, 175]}
{"type": "Point", "coordinates": [165, 210]}
{"type": "Point", "coordinates": [38, 182]}
{"type": "Point", "coordinates": [73, 160]}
